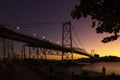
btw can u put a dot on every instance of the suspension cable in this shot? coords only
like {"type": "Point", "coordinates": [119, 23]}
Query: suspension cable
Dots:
{"type": "Point", "coordinates": [75, 42]}
{"type": "Point", "coordinates": [35, 24]}
{"type": "Point", "coordinates": [78, 38]}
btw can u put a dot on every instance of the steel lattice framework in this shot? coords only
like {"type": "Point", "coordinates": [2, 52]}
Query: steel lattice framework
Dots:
{"type": "Point", "coordinates": [67, 41]}
{"type": "Point", "coordinates": [6, 48]}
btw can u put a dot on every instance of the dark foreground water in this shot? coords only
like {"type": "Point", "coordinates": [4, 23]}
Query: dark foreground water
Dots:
{"type": "Point", "coordinates": [110, 67]}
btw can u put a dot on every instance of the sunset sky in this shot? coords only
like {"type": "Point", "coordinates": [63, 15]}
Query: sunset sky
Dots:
{"type": "Point", "coordinates": [55, 11]}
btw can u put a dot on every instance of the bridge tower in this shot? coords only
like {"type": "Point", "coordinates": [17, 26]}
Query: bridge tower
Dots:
{"type": "Point", "coordinates": [67, 41]}
{"type": "Point", "coordinates": [92, 52]}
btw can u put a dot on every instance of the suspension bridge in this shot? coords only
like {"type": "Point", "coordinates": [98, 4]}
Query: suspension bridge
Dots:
{"type": "Point", "coordinates": [39, 47]}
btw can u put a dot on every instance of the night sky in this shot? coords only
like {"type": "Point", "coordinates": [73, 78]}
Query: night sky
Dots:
{"type": "Point", "coordinates": [55, 11]}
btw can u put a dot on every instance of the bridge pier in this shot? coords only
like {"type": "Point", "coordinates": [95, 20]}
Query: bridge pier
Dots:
{"type": "Point", "coordinates": [42, 54]}
{"type": "Point", "coordinates": [4, 48]}
{"type": "Point", "coordinates": [33, 52]}
{"type": "Point", "coordinates": [23, 53]}
{"type": "Point", "coordinates": [7, 49]}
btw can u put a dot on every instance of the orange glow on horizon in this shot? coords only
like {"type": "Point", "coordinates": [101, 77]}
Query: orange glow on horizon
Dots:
{"type": "Point", "coordinates": [92, 41]}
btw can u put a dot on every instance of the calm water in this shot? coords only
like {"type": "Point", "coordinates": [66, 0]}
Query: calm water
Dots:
{"type": "Point", "coordinates": [110, 67]}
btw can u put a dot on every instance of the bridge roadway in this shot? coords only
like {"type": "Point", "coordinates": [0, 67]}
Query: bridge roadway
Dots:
{"type": "Point", "coordinates": [7, 33]}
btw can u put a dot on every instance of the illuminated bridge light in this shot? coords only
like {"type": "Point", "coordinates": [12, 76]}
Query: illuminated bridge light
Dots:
{"type": "Point", "coordinates": [34, 34]}
{"type": "Point", "coordinates": [18, 27]}
{"type": "Point", "coordinates": [58, 42]}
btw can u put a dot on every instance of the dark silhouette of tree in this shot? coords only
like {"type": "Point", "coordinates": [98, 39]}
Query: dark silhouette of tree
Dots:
{"type": "Point", "coordinates": [105, 16]}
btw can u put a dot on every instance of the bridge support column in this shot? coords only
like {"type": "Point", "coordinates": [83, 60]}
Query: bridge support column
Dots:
{"type": "Point", "coordinates": [43, 53]}
{"type": "Point", "coordinates": [37, 53]}
{"type": "Point", "coordinates": [29, 51]}
{"type": "Point", "coordinates": [23, 54]}
{"type": "Point", "coordinates": [33, 52]}
{"type": "Point", "coordinates": [67, 41]}
{"type": "Point", "coordinates": [7, 49]}
{"type": "Point", "coordinates": [4, 48]}
{"type": "Point", "coordinates": [10, 51]}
